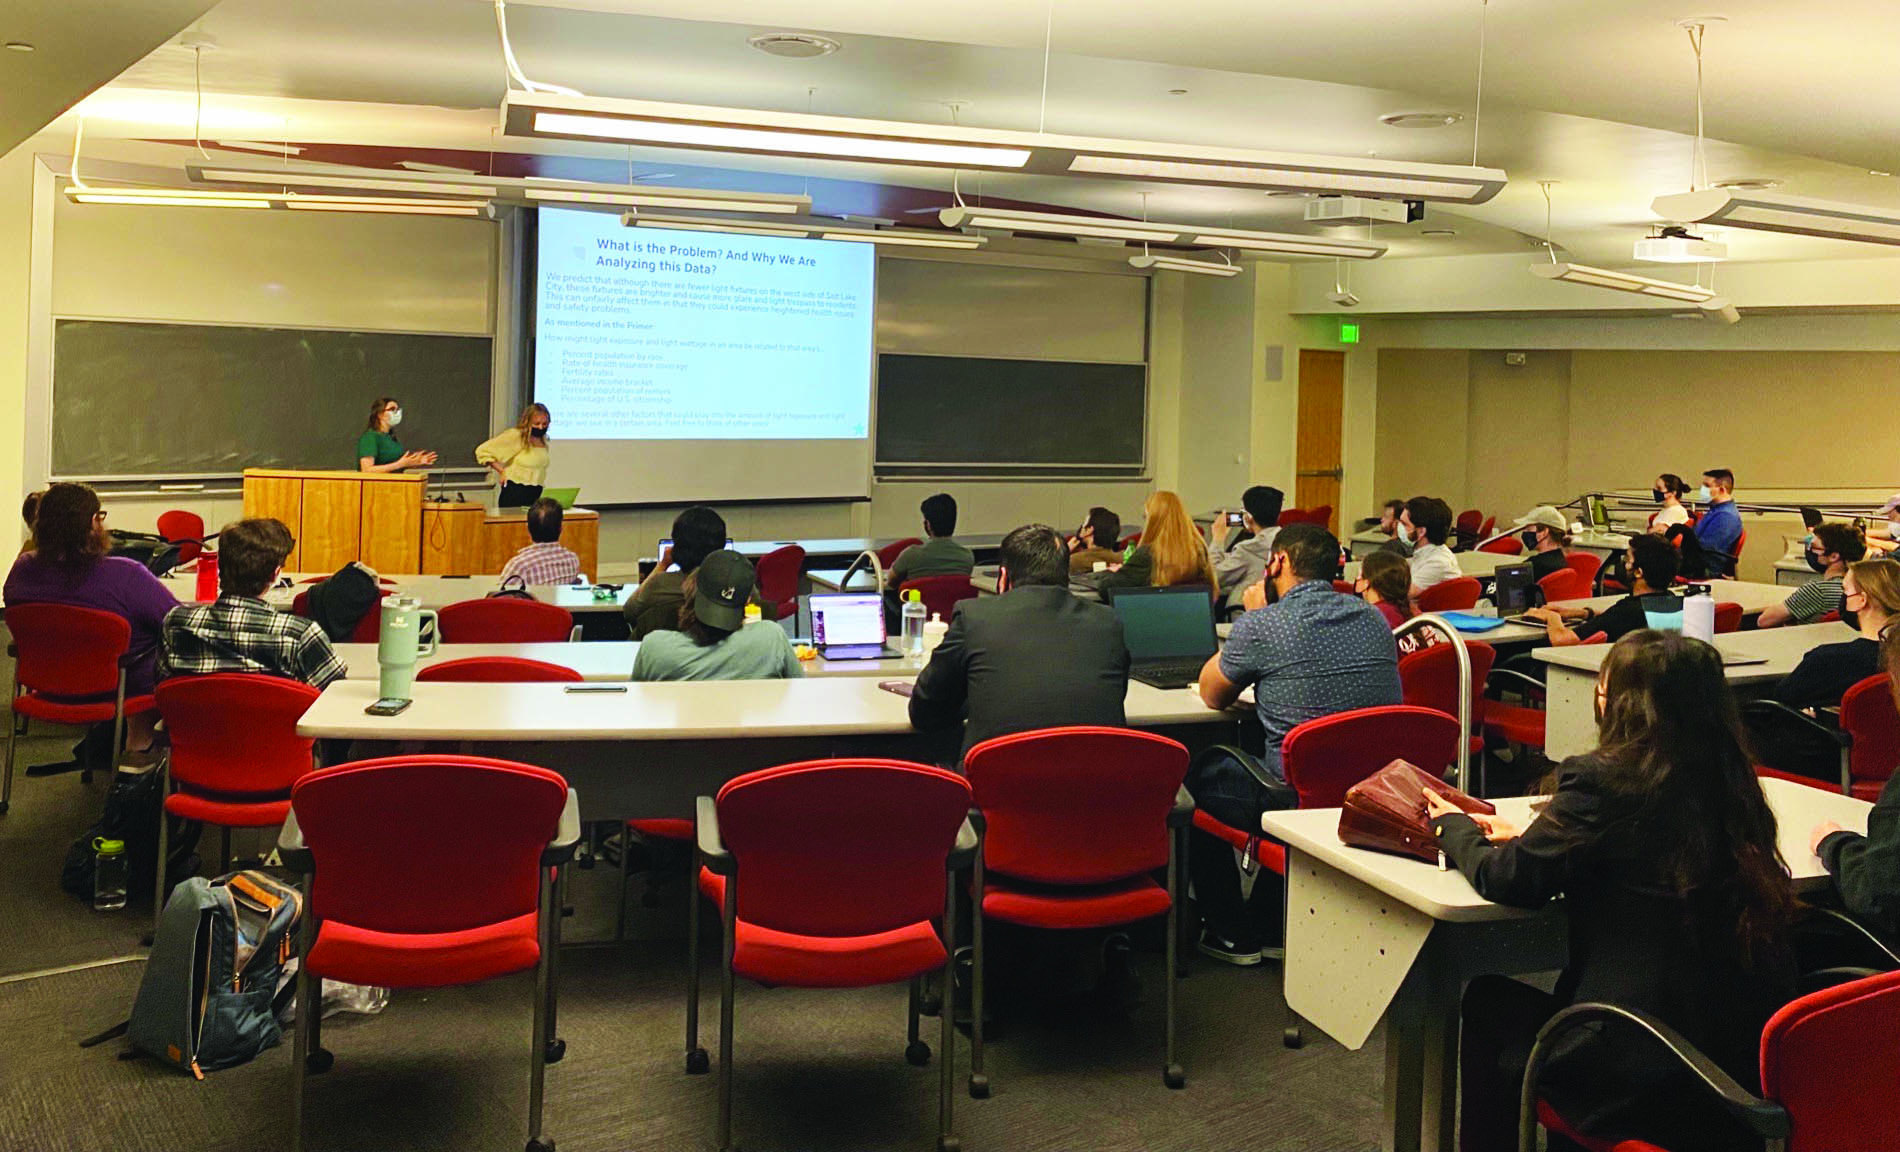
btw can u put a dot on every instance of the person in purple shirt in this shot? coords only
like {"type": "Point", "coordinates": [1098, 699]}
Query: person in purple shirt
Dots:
{"type": "Point", "coordinates": [69, 566]}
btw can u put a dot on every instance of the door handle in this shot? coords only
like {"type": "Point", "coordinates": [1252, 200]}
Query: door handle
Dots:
{"type": "Point", "coordinates": [1329, 473]}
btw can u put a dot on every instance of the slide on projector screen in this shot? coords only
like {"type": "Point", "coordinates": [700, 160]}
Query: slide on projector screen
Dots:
{"type": "Point", "coordinates": [689, 366]}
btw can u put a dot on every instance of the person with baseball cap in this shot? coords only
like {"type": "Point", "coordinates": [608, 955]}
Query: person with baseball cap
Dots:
{"type": "Point", "coordinates": [714, 642]}
{"type": "Point", "coordinates": [1545, 532]}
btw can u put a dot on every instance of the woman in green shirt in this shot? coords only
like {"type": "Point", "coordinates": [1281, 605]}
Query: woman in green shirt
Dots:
{"type": "Point", "coordinates": [377, 450]}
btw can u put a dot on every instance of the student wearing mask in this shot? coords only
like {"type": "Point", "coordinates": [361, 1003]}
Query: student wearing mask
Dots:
{"type": "Point", "coordinates": [1095, 542]}
{"type": "Point", "coordinates": [1032, 656]}
{"type": "Point", "coordinates": [698, 532]}
{"type": "Point", "coordinates": [1884, 534]}
{"type": "Point", "coordinates": [1665, 853]}
{"type": "Point", "coordinates": [1170, 552]}
{"type": "Point", "coordinates": [1243, 564]}
{"type": "Point", "coordinates": [1668, 492]}
{"type": "Point", "coordinates": [713, 641]}
{"type": "Point", "coordinates": [1307, 652]}
{"type": "Point", "coordinates": [1866, 869]}
{"type": "Point", "coordinates": [1650, 562]}
{"type": "Point", "coordinates": [1389, 516]}
{"type": "Point", "coordinates": [378, 450]}
{"type": "Point", "coordinates": [1545, 533]}
{"type": "Point", "coordinates": [1425, 526]}
{"type": "Point", "coordinates": [519, 458]}
{"type": "Point", "coordinates": [1720, 527]}
{"type": "Point", "coordinates": [1829, 552]}
{"type": "Point", "coordinates": [1870, 600]}
{"type": "Point", "coordinates": [1385, 582]}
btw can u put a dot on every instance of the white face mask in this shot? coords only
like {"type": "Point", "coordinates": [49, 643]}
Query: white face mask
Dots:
{"type": "Point", "coordinates": [1702, 493]}
{"type": "Point", "coordinates": [1405, 532]}
{"type": "Point", "coordinates": [395, 417]}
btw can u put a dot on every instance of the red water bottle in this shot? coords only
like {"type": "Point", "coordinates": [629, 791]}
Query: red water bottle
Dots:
{"type": "Point", "coordinates": [207, 576]}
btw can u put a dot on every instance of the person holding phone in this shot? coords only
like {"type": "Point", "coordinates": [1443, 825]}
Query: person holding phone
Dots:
{"type": "Point", "coordinates": [698, 532]}
{"type": "Point", "coordinates": [1239, 551]}
{"type": "Point", "coordinates": [1096, 541]}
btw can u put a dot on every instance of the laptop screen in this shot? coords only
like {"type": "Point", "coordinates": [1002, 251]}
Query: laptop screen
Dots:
{"type": "Point", "coordinates": [1513, 594]}
{"type": "Point", "coordinates": [1166, 623]}
{"type": "Point", "coordinates": [847, 619]}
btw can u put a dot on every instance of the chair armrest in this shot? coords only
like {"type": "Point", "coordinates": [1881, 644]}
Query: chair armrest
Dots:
{"type": "Point", "coordinates": [291, 850]}
{"type": "Point", "coordinates": [561, 849]}
{"type": "Point", "coordinates": [1765, 1118]}
{"type": "Point", "coordinates": [963, 852]}
{"type": "Point", "coordinates": [977, 821]}
{"type": "Point", "coordinates": [1824, 978]}
{"type": "Point", "coordinates": [712, 849]}
{"type": "Point", "coordinates": [1857, 929]}
{"type": "Point", "coordinates": [1801, 720]}
{"type": "Point", "coordinates": [1515, 679]}
{"type": "Point", "coordinates": [1182, 814]}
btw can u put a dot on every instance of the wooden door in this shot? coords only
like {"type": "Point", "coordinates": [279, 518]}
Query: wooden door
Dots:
{"type": "Point", "coordinates": [1322, 414]}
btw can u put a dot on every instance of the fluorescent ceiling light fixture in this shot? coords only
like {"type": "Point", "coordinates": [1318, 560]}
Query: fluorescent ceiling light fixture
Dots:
{"type": "Point", "coordinates": [944, 145]}
{"type": "Point", "coordinates": [1109, 228]}
{"type": "Point", "coordinates": [914, 238]}
{"type": "Point", "coordinates": [393, 207]}
{"type": "Point", "coordinates": [1179, 264]}
{"type": "Point", "coordinates": [527, 188]}
{"type": "Point", "coordinates": [1769, 212]}
{"type": "Point", "coordinates": [675, 198]}
{"type": "Point", "coordinates": [1680, 250]}
{"type": "Point", "coordinates": [174, 200]}
{"type": "Point", "coordinates": [292, 178]}
{"type": "Point", "coordinates": [205, 198]}
{"type": "Point", "coordinates": [703, 224]}
{"type": "Point", "coordinates": [1623, 282]}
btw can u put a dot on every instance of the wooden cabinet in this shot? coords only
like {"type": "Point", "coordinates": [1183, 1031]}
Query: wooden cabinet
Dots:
{"type": "Point", "coordinates": [338, 517]}
{"type": "Point", "coordinates": [452, 538]}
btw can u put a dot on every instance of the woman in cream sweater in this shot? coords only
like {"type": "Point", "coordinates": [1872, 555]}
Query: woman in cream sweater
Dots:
{"type": "Point", "coordinates": [519, 458]}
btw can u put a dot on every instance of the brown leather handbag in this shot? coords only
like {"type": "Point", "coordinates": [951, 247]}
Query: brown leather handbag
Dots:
{"type": "Point", "coordinates": [1386, 811]}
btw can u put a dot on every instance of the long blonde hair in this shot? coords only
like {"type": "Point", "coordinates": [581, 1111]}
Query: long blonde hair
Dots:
{"type": "Point", "coordinates": [1169, 535]}
{"type": "Point", "coordinates": [527, 420]}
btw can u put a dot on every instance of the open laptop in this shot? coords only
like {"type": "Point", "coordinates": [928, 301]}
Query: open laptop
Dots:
{"type": "Point", "coordinates": [1515, 592]}
{"type": "Point", "coordinates": [849, 626]}
{"type": "Point", "coordinates": [565, 497]}
{"type": "Point", "coordinates": [1169, 633]}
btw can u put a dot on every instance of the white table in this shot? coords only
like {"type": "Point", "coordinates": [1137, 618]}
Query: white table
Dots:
{"type": "Point", "coordinates": [599, 661]}
{"type": "Point", "coordinates": [1479, 564]}
{"type": "Point", "coordinates": [1604, 544]}
{"type": "Point", "coordinates": [1364, 544]}
{"type": "Point", "coordinates": [1570, 726]}
{"type": "Point", "coordinates": [832, 580]}
{"type": "Point", "coordinates": [1372, 936]}
{"type": "Point", "coordinates": [433, 591]}
{"type": "Point", "coordinates": [1795, 573]}
{"type": "Point", "coordinates": [650, 750]}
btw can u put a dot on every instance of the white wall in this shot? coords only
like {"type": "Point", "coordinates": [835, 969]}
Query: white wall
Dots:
{"type": "Point", "coordinates": [16, 248]}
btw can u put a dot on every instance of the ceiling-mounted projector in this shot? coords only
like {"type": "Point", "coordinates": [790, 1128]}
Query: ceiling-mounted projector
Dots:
{"type": "Point", "coordinates": [1676, 245]}
{"type": "Point", "coordinates": [1343, 298]}
{"type": "Point", "coordinates": [1344, 210]}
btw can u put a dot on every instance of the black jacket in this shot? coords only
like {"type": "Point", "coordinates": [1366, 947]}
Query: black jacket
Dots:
{"type": "Point", "coordinates": [1634, 942]}
{"type": "Point", "coordinates": [1828, 671]}
{"type": "Point", "coordinates": [1866, 869]}
{"type": "Point", "coordinates": [1034, 657]}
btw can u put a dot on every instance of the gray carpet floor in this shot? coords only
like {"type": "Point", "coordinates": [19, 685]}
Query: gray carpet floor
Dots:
{"type": "Point", "coordinates": [447, 1069]}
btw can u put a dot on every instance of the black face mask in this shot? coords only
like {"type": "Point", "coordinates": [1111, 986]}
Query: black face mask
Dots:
{"type": "Point", "coordinates": [1815, 560]}
{"type": "Point", "coordinates": [1850, 617]}
{"type": "Point", "coordinates": [1529, 538]}
{"type": "Point", "coordinates": [538, 433]}
{"type": "Point", "coordinates": [1656, 494]}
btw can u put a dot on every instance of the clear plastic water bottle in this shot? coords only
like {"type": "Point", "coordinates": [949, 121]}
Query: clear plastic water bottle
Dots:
{"type": "Point", "coordinates": [913, 637]}
{"type": "Point", "coordinates": [108, 874]}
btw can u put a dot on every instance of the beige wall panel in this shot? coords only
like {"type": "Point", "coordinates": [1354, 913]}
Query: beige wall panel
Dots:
{"type": "Point", "coordinates": [1515, 433]}
{"type": "Point", "coordinates": [1420, 443]}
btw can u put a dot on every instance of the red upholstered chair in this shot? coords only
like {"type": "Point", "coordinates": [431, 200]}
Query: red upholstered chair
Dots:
{"type": "Point", "coordinates": [1728, 616]}
{"type": "Point", "coordinates": [498, 670]}
{"type": "Point", "coordinates": [888, 554]}
{"type": "Point", "coordinates": [504, 620]}
{"type": "Point", "coordinates": [1564, 584]}
{"type": "Point", "coordinates": [428, 872]}
{"type": "Point", "coordinates": [185, 529]}
{"type": "Point", "coordinates": [778, 581]}
{"type": "Point", "coordinates": [941, 594]}
{"type": "Point", "coordinates": [1522, 724]}
{"type": "Point", "coordinates": [1824, 1057]}
{"type": "Point", "coordinates": [1503, 546]}
{"type": "Point", "coordinates": [61, 655]}
{"type": "Point", "coordinates": [1344, 588]}
{"type": "Point", "coordinates": [1490, 523]}
{"type": "Point", "coordinates": [828, 875]}
{"type": "Point", "coordinates": [1049, 862]}
{"type": "Point", "coordinates": [1428, 678]}
{"type": "Point", "coordinates": [1584, 564]}
{"type": "Point", "coordinates": [1455, 595]}
{"type": "Point", "coordinates": [368, 630]}
{"type": "Point", "coordinates": [1465, 529]}
{"type": "Point", "coordinates": [235, 754]}
{"type": "Point", "coordinates": [1872, 726]}
{"type": "Point", "coordinates": [1322, 516]}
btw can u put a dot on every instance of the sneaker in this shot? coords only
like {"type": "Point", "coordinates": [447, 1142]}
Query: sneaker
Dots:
{"type": "Point", "coordinates": [1212, 944]}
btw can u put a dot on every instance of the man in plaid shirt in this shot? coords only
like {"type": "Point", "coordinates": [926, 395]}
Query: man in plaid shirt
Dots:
{"type": "Point", "coordinates": [544, 561]}
{"type": "Point", "coordinates": [239, 632]}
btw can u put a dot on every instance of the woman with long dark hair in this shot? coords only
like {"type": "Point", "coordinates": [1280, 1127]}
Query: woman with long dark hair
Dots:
{"type": "Point", "coordinates": [1664, 850]}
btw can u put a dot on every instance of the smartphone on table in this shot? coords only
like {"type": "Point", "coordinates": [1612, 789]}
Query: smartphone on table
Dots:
{"type": "Point", "coordinates": [388, 706]}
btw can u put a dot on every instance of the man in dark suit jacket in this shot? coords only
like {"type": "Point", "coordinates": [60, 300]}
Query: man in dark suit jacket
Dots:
{"type": "Point", "coordinates": [1032, 657]}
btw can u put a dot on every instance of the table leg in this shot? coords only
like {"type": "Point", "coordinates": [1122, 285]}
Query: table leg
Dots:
{"type": "Point", "coordinates": [1402, 1120]}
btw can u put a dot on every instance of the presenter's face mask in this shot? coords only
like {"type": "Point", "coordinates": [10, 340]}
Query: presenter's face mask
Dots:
{"type": "Point", "coordinates": [539, 431]}
{"type": "Point", "coordinates": [394, 415]}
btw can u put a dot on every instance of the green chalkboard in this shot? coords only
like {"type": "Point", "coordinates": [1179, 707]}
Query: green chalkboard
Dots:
{"type": "Point", "coordinates": [958, 410]}
{"type": "Point", "coordinates": [134, 401]}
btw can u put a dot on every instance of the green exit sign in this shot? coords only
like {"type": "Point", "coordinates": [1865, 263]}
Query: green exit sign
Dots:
{"type": "Point", "coordinates": [1348, 332]}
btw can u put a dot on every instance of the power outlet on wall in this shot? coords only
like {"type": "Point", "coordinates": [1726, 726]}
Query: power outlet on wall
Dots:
{"type": "Point", "coordinates": [1514, 359]}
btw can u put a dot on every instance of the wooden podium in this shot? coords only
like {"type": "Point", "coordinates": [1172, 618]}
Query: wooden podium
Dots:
{"type": "Point", "coordinates": [337, 517]}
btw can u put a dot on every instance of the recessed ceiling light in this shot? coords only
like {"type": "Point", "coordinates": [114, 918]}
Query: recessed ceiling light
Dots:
{"type": "Point", "coordinates": [1437, 232]}
{"type": "Point", "coordinates": [793, 45]}
{"type": "Point", "coordinates": [1877, 172]}
{"type": "Point", "coordinates": [1749, 184]}
{"type": "Point", "coordinates": [1421, 119]}
{"type": "Point", "coordinates": [1177, 91]}
{"type": "Point", "coordinates": [19, 46]}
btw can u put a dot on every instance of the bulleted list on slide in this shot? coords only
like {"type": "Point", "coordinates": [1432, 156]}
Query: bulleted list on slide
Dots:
{"type": "Point", "coordinates": [652, 334]}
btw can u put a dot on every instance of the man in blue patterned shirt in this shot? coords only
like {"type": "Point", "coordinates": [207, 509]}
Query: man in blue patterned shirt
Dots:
{"type": "Point", "coordinates": [239, 632]}
{"type": "Point", "coordinates": [1307, 651]}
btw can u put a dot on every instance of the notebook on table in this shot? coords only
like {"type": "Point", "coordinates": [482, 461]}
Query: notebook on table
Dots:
{"type": "Point", "coordinates": [1169, 633]}
{"type": "Point", "coordinates": [849, 626]}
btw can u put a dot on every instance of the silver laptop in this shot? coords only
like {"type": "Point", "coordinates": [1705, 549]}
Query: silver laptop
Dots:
{"type": "Point", "coordinates": [850, 626]}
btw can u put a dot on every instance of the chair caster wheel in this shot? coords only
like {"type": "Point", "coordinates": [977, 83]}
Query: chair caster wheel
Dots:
{"type": "Point", "coordinates": [696, 1062]}
{"type": "Point", "coordinates": [928, 1006]}
{"type": "Point", "coordinates": [85, 777]}
{"type": "Point", "coordinates": [555, 1050]}
{"type": "Point", "coordinates": [318, 1062]}
{"type": "Point", "coordinates": [949, 1144]}
{"type": "Point", "coordinates": [979, 1086]}
{"type": "Point", "coordinates": [541, 1145]}
{"type": "Point", "coordinates": [1174, 1076]}
{"type": "Point", "coordinates": [1292, 1038]}
{"type": "Point", "coordinates": [4, 805]}
{"type": "Point", "coordinates": [585, 863]}
{"type": "Point", "coordinates": [917, 1052]}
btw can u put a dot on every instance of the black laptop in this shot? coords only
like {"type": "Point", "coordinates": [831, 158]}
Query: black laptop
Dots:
{"type": "Point", "coordinates": [1515, 592]}
{"type": "Point", "coordinates": [1169, 633]}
